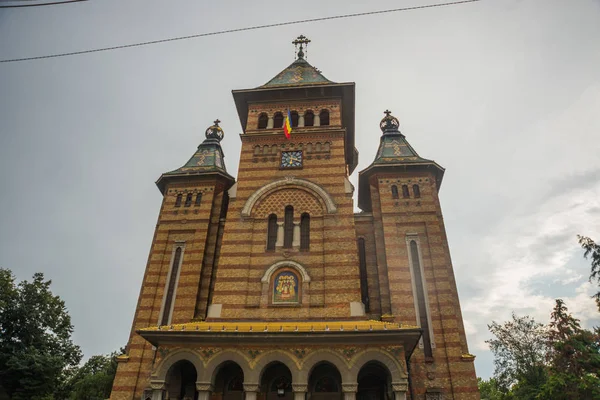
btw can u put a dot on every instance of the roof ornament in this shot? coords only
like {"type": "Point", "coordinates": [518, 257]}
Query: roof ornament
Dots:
{"type": "Point", "coordinates": [300, 40]}
{"type": "Point", "coordinates": [215, 131]}
{"type": "Point", "coordinates": [389, 123]}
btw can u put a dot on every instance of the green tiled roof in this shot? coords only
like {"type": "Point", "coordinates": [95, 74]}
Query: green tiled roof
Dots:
{"type": "Point", "coordinates": [300, 72]}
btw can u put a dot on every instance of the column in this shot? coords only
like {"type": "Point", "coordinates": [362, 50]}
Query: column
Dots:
{"type": "Point", "coordinates": [270, 122]}
{"type": "Point", "coordinates": [296, 237]}
{"type": "Point", "coordinates": [158, 388]}
{"type": "Point", "coordinates": [299, 391]}
{"type": "Point", "coordinates": [400, 389]}
{"type": "Point", "coordinates": [204, 389]}
{"type": "Point", "coordinates": [349, 390]}
{"type": "Point", "coordinates": [279, 242]}
{"type": "Point", "coordinates": [250, 390]}
{"type": "Point", "coordinates": [300, 120]}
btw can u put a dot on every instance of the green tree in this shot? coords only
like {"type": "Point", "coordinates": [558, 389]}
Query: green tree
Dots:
{"type": "Point", "coordinates": [94, 379]}
{"type": "Point", "coordinates": [519, 349]}
{"type": "Point", "coordinates": [574, 359]}
{"type": "Point", "coordinates": [489, 390]}
{"type": "Point", "coordinates": [35, 338]}
{"type": "Point", "coordinates": [592, 249]}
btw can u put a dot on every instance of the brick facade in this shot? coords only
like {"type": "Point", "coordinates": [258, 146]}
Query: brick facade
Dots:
{"type": "Point", "coordinates": [227, 274]}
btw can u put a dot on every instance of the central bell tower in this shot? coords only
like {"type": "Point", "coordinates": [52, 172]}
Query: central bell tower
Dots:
{"type": "Point", "coordinates": [292, 202]}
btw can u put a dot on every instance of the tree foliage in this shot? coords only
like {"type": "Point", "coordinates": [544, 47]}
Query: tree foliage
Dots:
{"type": "Point", "coordinates": [489, 390]}
{"type": "Point", "coordinates": [35, 338]}
{"type": "Point", "coordinates": [519, 349]}
{"type": "Point", "coordinates": [592, 250]}
{"type": "Point", "coordinates": [94, 379]}
{"type": "Point", "coordinates": [574, 358]}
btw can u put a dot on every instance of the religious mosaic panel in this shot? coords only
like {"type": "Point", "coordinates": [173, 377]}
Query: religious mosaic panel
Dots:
{"type": "Point", "coordinates": [285, 288]}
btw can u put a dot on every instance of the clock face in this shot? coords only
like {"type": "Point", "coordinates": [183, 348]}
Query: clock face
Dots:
{"type": "Point", "coordinates": [291, 159]}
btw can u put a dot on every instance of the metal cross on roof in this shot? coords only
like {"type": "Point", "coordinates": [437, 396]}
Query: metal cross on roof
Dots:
{"type": "Point", "coordinates": [217, 122]}
{"type": "Point", "coordinates": [301, 40]}
{"type": "Point", "coordinates": [387, 113]}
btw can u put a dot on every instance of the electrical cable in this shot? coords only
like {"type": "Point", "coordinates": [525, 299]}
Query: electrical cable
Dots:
{"type": "Point", "coordinates": [303, 21]}
{"type": "Point", "coordinates": [54, 3]}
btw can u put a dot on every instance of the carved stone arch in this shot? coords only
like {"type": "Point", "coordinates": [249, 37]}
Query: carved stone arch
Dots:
{"type": "Point", "coordinates": [395, 367]}
{"type": "Point", "coordinates": [286, 263]}
{"type": "Point", "coordinates": [326, 356]}
{"type": "Point", "coordinates": [179, 355]}
{"type": "Point", "coordinates": [214, 363]}
{"type": "Point", "coordinates": [289, 182]}
{"type": "Point", "coordinates": [267, 358]}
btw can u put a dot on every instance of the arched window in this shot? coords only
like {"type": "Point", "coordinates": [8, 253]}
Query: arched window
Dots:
{"type": "Point", "coordinates": [324, 117]}
{"type": "Point", "coordinates": [198, 199]}
{"type": "Point", "coordinates": [304, 231]}
{"type": "Point", "coordinates": [170, 290]}
{"type": "Point", "coordinates": [288, 227]}
{"type": "Point", "coordinates": [405, 192]}
{"type": "Point", "coordinates": [362, 261]}
{"type": "Point", "coordinates": [188, 200]}
{"type": "Point", "coordinates": [256, 150]}
{"type": "Point", "coordinates": [309, 118]}
{"type": "Point", "coordinates": [318, 147]}
{"type": "Point", "coordinates": [263, 119]}
{"type": "Point", "coordinates": [394, 192]}
{"type": "Point", "coordinates": [421, 302]}
{"type": "Point", "coordinates": [272, 232]}
{"type": "Point", "coordinates": [178, 200]}
{"type": "Point", "coordinates": [294, 115]}
{"type": "Point", "coordinates": [266, 149]}
{"type": "Point", "coordinates": [278, 120]}
{"type": "Point", "coordinates": [326, 146]}
{"type": "Point", "coordinates": [416, 191]}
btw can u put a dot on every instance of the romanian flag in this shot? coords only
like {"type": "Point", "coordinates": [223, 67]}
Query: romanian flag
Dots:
{"type": "Point", "coordinates": [287, 125]}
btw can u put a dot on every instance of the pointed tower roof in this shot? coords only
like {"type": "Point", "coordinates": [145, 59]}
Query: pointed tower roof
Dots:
{"type": "Point", "coordinates": [394, 154]}
{"type": "Point", "coordinates": [300, 72]}
{"type": "Point", "coordinates": [207, 160]}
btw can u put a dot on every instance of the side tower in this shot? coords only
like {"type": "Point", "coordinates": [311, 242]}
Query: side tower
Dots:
{"type": "Point", "coordinates": [176, 282]}
{"type": "Point", "coordinates": [406, 257]}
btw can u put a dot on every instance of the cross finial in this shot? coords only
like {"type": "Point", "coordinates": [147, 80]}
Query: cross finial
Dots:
{"type": "Point", "coordinates": [301, 40]}
{"type": "Point", "coordinates": [217, 122]}
{"type": "Point", "coordinates": [387, 113]}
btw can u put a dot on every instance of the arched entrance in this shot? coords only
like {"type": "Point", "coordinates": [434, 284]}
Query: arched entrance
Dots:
{"type": "Point", "coordinates": [325, 382]}
{"type": "Point", "coordinates": [229, 382]}
{"type": "Point", "coordinates": [181, 381]}
{"type": "Point", "coordinates": [276, 383]}
{"type": "Point", "coordinates": [374, 382]}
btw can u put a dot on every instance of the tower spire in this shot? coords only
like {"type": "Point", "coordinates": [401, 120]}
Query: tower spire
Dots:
{"type": "Point", "coordinates": [301, 40]}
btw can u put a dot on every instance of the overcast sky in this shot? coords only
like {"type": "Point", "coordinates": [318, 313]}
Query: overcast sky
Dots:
{"type": "Point", "coordinates": [505, 94]}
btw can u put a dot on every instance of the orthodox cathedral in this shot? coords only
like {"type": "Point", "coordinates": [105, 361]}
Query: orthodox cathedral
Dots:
{"type": "Point", "coordinates": [269, 286]}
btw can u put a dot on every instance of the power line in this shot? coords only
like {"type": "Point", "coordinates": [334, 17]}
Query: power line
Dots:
{"type": "Point", "coordinates": [302, 21]}
{"type": "Point", "coordinates": [54, 3]}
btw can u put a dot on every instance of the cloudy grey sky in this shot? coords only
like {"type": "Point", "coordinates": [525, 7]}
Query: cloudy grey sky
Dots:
{"type": "Point", "coordinates": [503, 93]}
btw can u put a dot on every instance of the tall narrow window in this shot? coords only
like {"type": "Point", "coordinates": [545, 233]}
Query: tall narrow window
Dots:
{"type": "Point", "coordinates": [416, 191]}
{"type": "Point", "coordinates": [170, 292]}
{"type": "Point", "coordinates": [272, 232]}
{"type": "Point", "coordinates": [262, 121]}
{"type": "Point", "coordinates": [309, 118]}
{"type": "Point", "coordinates": [362, 263]}
{"type": "Point", "coordinates": [421, 302]}
{"type": "Point", "coordinates": [394, 192]}
{"type": "Point", "coordinates": [278, 120]}
{"type": "Point", "coordinates": [188, 200]}
{"type": "Point", "coordinates": [178, 200]}
{"type": "Point", "coordinates": [294, 115]}
{"type": "Point", "coordinates": [288, 227]}
{"type": "Point", "coordinates": [405, 192]}
{"type": "Point", "coordinates": [304, 231]}
{"type": "Point", "coordinates": [324, 117]}
{"type": "Point", "coordinates": [198, 199]}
